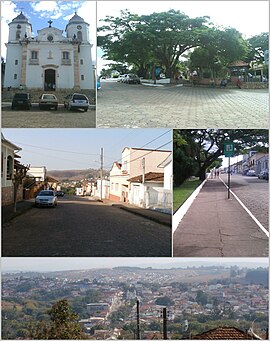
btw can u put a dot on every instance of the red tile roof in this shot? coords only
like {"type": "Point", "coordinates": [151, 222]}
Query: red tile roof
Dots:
{"type": "Point", "coordinates": [151, 176]}
{"type": "Point", "coordinates": [223, 333]}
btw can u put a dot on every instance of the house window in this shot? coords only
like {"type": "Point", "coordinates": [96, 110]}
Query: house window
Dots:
{"type": "Point", "coordinates": [116, 187]}
{"type": "Point", "coordinates": [124, 167]}
{"type": "Point", "coordinates": [16, 61]}
{"type": "Point", "coordinates": [15, 75]}
{"type": "Point", "coordinates": [34, 55]}
{"type": "Point", "coordinates": [65, 55]}
{"type": "Point", "coordinates": [9, 167]}
{"type": "Point", "coordinates": [81, 61]}
{"type": "Point", "coordinates": [79, 36]}
{"type": "Point", "coordinates": [82, 77]}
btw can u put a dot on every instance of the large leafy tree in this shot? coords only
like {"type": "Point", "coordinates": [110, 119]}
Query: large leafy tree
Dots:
{"type": "Point", "coordinates": [222, 48]}
{"type": "Point", "coordinates": [63, 324]}
{"type": "Point", "coordinates": [207, 145]}
{"type": "Point", "coordinates": [257, 45]}
{"type": "Point", "coordinates": [148, 39]}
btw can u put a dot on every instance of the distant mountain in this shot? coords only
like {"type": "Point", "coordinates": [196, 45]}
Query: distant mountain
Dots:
{"type": "Point", "coordinates": [76, 174]}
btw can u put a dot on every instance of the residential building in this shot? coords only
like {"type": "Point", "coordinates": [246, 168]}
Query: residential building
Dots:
{"type": "Point", "coordinates": [8, 166]}
{"type": "Point", "coordinates": [135, 162]}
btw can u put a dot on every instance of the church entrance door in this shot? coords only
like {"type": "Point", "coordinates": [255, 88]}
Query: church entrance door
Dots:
{"type": "Point", "coordinates": [49, 82]}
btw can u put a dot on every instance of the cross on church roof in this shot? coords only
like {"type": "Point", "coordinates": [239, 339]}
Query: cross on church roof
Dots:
{"type": "Point", "coordinates": [50, 23]}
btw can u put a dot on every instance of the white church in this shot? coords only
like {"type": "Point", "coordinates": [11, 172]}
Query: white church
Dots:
{"type": "Point", "coordinates": [51, 60]}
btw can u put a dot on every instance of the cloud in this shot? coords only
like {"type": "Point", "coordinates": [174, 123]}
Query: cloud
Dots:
{"type": "Point", "coordinates": [9, 12]}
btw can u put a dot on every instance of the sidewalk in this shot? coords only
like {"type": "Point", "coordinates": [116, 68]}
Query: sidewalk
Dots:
{"type": "Point", "coordinates": [215, 226]}
{"type": "Point", "coordinates": [158, 217]}
{"type": "Point", "coordinates": [8, 211]}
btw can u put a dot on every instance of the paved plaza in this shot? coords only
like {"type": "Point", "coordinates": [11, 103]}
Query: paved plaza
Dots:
{"type": "Point", "coordinates": [130, 105]}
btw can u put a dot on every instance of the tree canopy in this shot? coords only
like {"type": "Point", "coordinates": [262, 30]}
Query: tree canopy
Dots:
{"type": "Point", "coordinates": [196, 150]}
{"type": "Point", "coordinates": [63, 324]}
{"type": "Point", "coordinates": [162, 38]}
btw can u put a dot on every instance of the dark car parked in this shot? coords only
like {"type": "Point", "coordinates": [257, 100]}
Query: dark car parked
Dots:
{"type": "Point", "coordinates": [263, 175]}
{"type": "Point", "coordinates": [59, 193]}
{"type": "Point", "coordinates": [132, 79]}
{"type": "Point", "coordinates": [21, 100]}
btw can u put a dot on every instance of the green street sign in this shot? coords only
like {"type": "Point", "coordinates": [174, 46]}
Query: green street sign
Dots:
{"type": "Point", "coordinates": [228, 149]}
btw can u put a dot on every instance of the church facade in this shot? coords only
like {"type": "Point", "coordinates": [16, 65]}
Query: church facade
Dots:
{"type": "Point", "coordinates": [51, 60]}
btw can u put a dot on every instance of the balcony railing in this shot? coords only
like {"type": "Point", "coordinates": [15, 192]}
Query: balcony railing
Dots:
{"type": "Point", "coordinates": [33, 62]}
{"type": "Point", "coordinates": [66, 61]}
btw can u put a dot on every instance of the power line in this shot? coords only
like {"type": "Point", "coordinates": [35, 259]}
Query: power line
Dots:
{"type": "Point", "coordinates": [156, 138]}
{"type": "Point", "coordinates": [55, 150]}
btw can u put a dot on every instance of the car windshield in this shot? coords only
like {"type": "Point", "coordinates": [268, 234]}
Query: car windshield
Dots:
{"type": "Point", "coordinates": [46, 193]}
{"type": "Point", "coordinates": [80, 97]}
{"type": "Point", "coordinates": [20, 96]}
{"type": "Point", "coordinates": [48, 97]}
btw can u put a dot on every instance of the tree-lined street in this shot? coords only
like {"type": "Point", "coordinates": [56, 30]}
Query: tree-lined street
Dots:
{"type": "Point", "coordinates": [81, 227]}
{"type": "Point", "coordinates": [124, 105]}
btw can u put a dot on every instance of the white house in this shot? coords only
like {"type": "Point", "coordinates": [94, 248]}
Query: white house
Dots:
{"type": "Point", "coordinates": [39, 173]}
{"type": "Point", "coordinates": [52, 59]}
{"type": "Point", "coordinates": [135, 162]}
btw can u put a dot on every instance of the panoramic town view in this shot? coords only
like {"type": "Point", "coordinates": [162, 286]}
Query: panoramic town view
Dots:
{"type": "Point", "coordinates": [182, 64]}
{"type": "Point", "coordinates": [94, 193]}
{"type": "Point", "coordinates": [144, 299]}
{"type": "Point", "coordinates": [221, 196]}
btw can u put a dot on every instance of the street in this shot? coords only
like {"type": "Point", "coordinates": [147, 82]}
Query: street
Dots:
{"type": "Point", "coordinates": [36, 118]}
{"type": "Point", "coordinates": [130, 105]}
{"type": "Point", "coordinates": [253, 193]}
{"type": "Point", "coordinates": [215, 226]}
{"type": "Point", "coordinates": [81, 227]}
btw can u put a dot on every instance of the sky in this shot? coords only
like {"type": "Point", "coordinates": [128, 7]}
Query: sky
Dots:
{"type": "Point", "coordinates": [81, 263]}
{"type": "Point", "coordinates": [248, 17]}
{"type": "Point", "coordinates": [59, 149]}
{"type": "Point", "coordinates": [39, 12]}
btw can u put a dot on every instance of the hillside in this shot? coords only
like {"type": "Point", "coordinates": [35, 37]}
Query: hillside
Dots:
{"type": "Point", "coordinates": [76, 174]}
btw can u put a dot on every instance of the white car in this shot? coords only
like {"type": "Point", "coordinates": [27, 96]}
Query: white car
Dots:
{"type": "Point", "coordinates": [46, 198]}
{"type": "Point", "coordinates": [76, 101]}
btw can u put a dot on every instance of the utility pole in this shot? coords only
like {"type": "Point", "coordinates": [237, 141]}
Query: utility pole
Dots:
{"type": "Point", "coordinates": [164, 317]}
{"type": "Point", "coordinates": [101, 172]}
{"type": "Point", "coordinates": [138, 320]}
{"type": "Point", "coordinates": [229, 177]}
{"type": "Point", "coordinates": [143, 181]}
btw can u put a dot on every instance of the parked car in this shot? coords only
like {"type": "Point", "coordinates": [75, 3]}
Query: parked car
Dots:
{"type": "Point", "coordinates": [263, 175]}
{"type": "Point", "coordinates": [132, 79]}
{"type": "Point", "coordinates": [59, 193]}
{"type": "Point", "coordinates": [251, 172]}
{"type": "Point", "coordinates": [76, 101]}
{"type": "Point", "coordinates": [46, 198]}
{"type": "Point", "coordinates": [48, 101]}
{"type": "Point", "coordinates": [122, 78]}
{"type": "Point", "coordinates": [21, 100]}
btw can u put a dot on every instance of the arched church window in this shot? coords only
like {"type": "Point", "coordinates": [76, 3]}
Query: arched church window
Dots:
{"type": "Point", "coordinates": [79, 35]}
{"type": "Point", "coordinates": [18, 35]}
{"type": "Point", "coordinates": [9, 167]}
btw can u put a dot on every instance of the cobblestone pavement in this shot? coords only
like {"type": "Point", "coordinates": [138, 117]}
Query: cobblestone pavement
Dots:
{"type": "Point", "coordinates": [253, 193]}
{"type": "Point", "coordinates": [36, 118]}
{"type": "Point", "coordinates": [82, 227]}
{"type": "Point", "coordinates": [130, 105]}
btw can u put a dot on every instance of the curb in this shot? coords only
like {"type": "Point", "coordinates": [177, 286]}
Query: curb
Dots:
{"type": "Point", "coordinates": [180, 213]}
{"type": "Point", "coordinates": [142, 215]}
{"type": "Point", "coordinates": [15, 214]}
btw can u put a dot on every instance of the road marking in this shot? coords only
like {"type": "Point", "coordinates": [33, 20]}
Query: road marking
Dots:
{"type": "Point", "coordinates": [179, 214]}
{"type": "Point", "coordinates": [247, 210]}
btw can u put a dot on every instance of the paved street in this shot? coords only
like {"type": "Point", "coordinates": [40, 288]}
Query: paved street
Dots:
{"type": "Point", "coordinates": [130, 105]}
{"type": "Point", "coordinates": [215, 226]}
{"type": "Point", "coordinates": [80, 227]}
{"type": "Point", "coordinates": [36, 118]}
{"type": "Point", "coordinates": [253, 193]}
